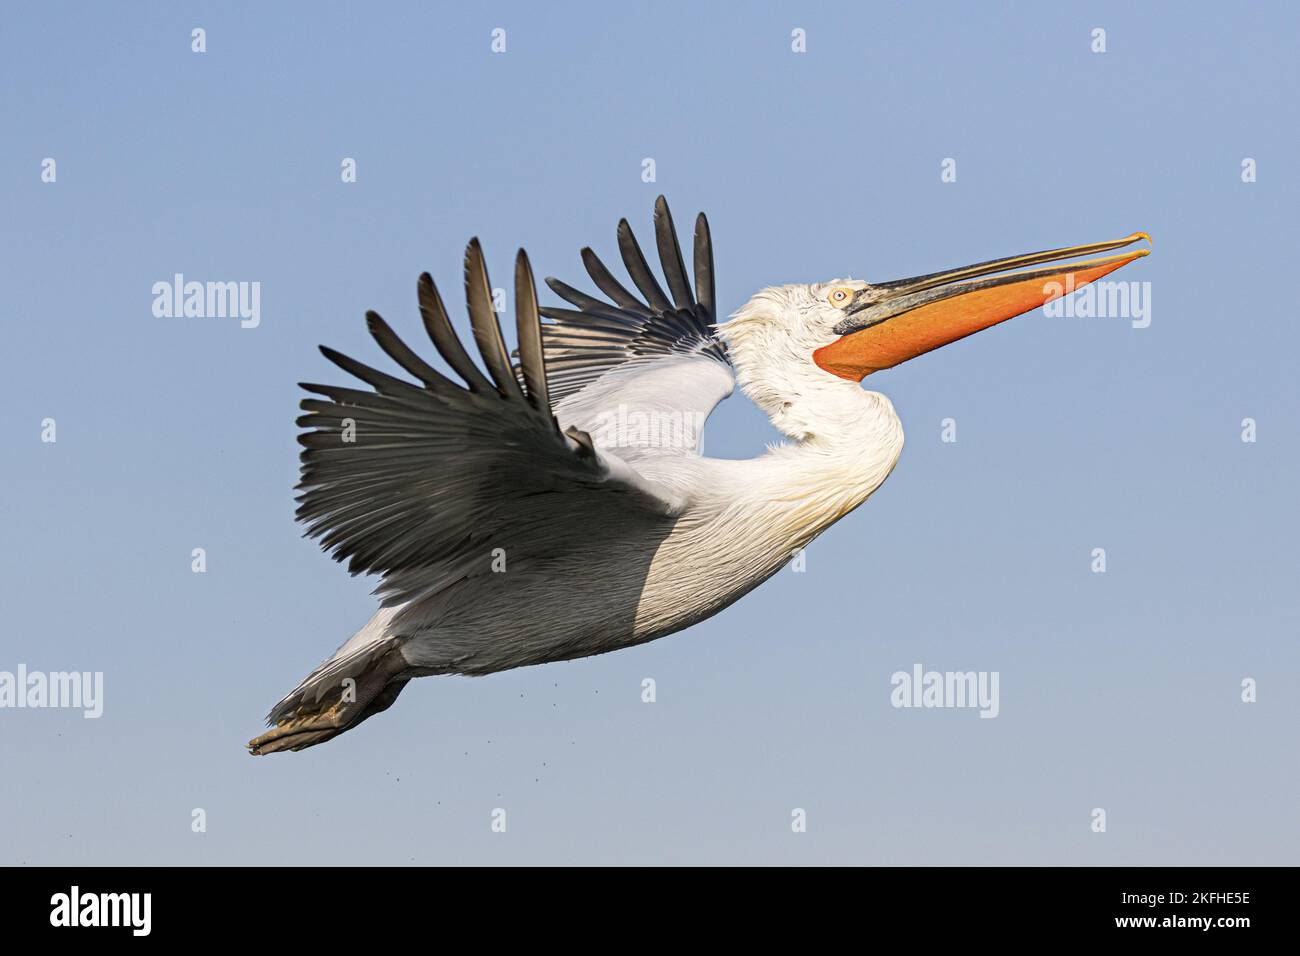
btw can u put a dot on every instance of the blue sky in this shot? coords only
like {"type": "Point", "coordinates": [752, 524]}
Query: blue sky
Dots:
{"type": "Point", "coordinates": [1118, 690]}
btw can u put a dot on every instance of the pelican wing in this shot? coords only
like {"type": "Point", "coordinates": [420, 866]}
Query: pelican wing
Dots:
{"type": "Point", "coordinates": [429, 483]}
{"type": "Point", "coordinates": [640, 375]}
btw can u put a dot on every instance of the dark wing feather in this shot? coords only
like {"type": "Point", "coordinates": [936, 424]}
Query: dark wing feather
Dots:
{"type": "Point", "coordinates": [529, 330]}
{"type": "Point", "coordinates": [483, 321]}
{"type": "Point", "coordinates": [444, 337]}
{"type": "Point", "coordinates": [639, 269]}
{"type": "Point", "coordinates": [704, 266]}
{"type": "Point", "coordinates": [608, 285]}
{"type": "Point", "coordinates": [670, 256]}
{"type": "Point", "coordinates": [584, 343]}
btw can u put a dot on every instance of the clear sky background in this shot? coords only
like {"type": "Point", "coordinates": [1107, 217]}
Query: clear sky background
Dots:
{"type": "Point", "coordinates": [1118, 690]}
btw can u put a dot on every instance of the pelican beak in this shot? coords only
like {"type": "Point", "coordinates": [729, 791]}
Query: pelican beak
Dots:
{"type": "Point", "coordinates": [890, 322]}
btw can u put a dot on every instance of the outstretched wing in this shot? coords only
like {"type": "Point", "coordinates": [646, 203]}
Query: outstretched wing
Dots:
{"type": "Point", "coordinates": [639, 376]}
{"type": "Point", "coordinates": [421, 482]}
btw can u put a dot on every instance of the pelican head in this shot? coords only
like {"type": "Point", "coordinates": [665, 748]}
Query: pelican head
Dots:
{"type": "Point", "coordinates": [792, 342]}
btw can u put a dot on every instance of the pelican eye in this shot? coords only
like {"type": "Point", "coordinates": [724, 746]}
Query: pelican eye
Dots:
{"type": "Point", "coordinates": [839, 297]}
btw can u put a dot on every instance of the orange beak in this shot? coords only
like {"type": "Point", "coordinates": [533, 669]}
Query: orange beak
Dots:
{"type": "Point", "coordinates": [888, 323]}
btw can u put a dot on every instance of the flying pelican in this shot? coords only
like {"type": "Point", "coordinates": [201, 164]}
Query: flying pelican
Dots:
{"type": "Point", "coordinates": [560, 507]}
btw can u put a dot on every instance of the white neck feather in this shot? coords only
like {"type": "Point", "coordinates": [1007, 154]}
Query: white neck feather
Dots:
{"type": "Point", "coordinates": [846, 440]}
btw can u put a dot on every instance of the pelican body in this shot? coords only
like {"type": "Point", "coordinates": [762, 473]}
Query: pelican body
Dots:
{"type": "Point", "coordinates": [558, 506]}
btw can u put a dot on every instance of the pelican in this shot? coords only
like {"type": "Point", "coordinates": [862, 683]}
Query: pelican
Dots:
{"type": "Point", "coordinates": [559, 506]}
